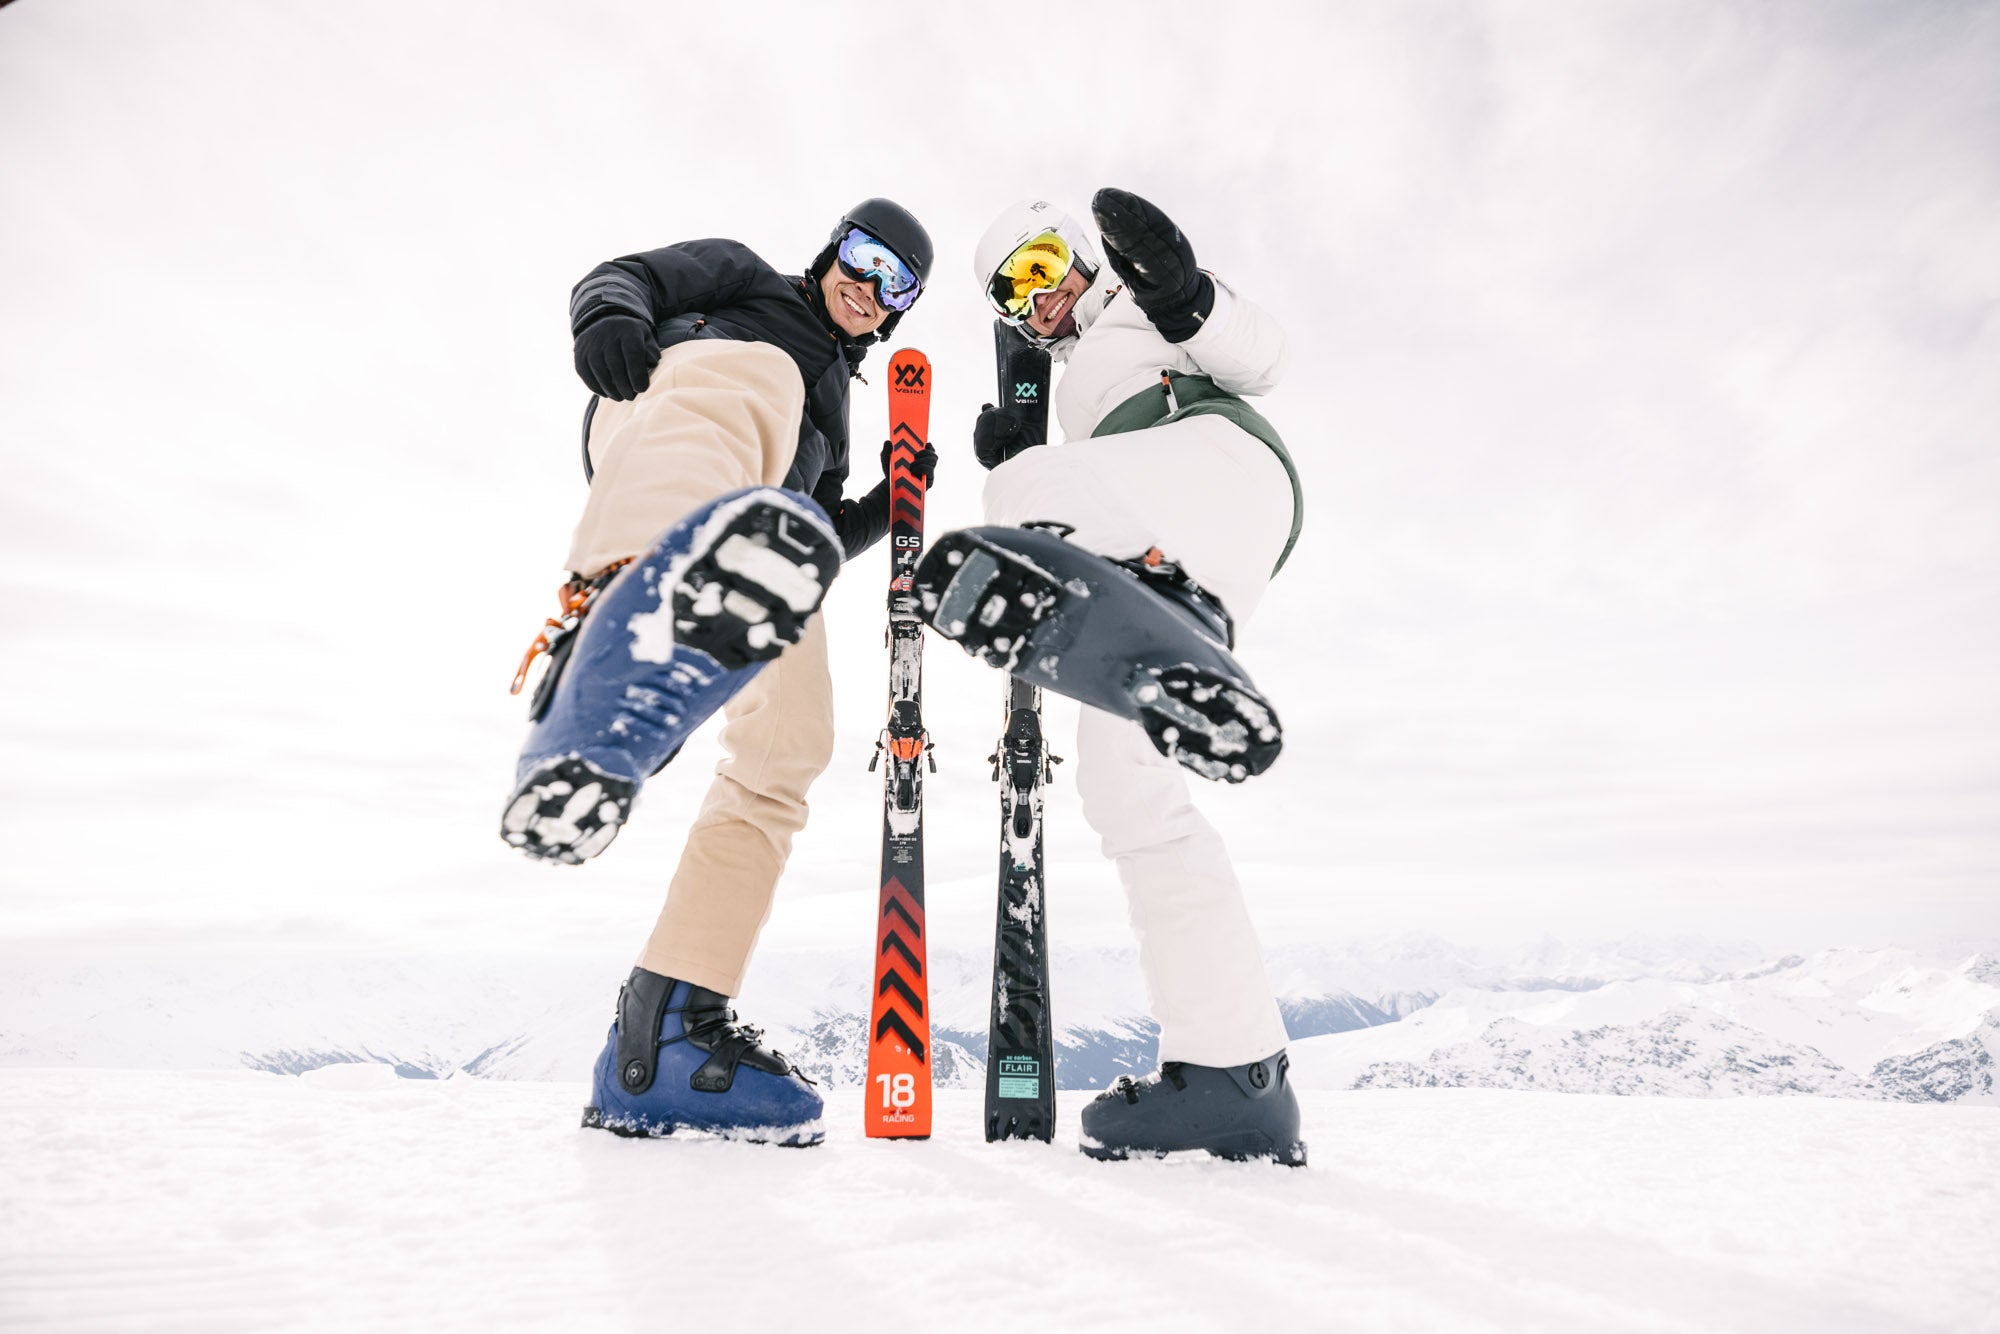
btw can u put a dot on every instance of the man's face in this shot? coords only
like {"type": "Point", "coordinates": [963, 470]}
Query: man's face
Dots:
{"type": "Point", "coordinates": [851, 302]}
{"type": "Point", "coordinates": [1052, 308]}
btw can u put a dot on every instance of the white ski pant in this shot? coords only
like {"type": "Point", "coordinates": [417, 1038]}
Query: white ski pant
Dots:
{"type": "Point", "coordinates": [1217, 501]}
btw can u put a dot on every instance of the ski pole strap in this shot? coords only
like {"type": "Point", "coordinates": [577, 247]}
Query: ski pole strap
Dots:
{"type": "Point", "coordinates": [1193, 395]}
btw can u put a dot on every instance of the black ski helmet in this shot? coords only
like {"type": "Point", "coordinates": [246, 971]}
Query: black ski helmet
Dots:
{"type": "Point", "coordinates": [892, 225]}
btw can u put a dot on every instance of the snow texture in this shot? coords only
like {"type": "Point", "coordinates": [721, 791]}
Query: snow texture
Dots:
{"type": "Point", "coordinates": [347, 1198]}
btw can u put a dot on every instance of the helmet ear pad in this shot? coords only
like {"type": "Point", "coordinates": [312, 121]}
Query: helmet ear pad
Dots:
{"type": "Point", "coordinates": [823, 260]}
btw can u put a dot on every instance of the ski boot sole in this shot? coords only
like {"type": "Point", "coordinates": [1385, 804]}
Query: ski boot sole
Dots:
{"type": "Point", "coordinates": [752, 586]}
{"type": "Point", "coordinates": [1211, 723]}
{"type": "Point", "coordinates": [1230, 1148]}
{"type": "Point", "coordinates": [784, 1137]}
{"type": "Point", "coordinates": [993, 601]}
{"type": "Point", "coordinates": [567, 811]}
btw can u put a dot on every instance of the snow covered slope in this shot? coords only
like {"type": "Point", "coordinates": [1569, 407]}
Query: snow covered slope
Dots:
{"type": "Point", "coordinates": [348, 1199]}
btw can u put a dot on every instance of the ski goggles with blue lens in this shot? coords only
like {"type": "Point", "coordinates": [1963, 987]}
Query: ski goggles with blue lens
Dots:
{"type": "Point", "coordinates": [1037, 265]}
{"type": "Point", "coordinates": [864, 258]}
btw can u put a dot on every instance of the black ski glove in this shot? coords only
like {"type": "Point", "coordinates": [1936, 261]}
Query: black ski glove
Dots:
{"type": "Point", "coordinates": [1001, 433]}
{"type": "Point", "coordinates": [615, 355]}
{"type": "Point", "coordinates": [924, 464]}
{"type": "Point", "coordinates": [1149, 254]}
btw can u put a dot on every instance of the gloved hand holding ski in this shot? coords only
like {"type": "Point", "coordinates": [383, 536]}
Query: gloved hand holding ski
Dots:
{"type": "Point", "coordinates": [1001, 433]}
{"type": "Point", "coordinates": [1153, 259]}
{"type": "Point", "coordinates": [923, 464]}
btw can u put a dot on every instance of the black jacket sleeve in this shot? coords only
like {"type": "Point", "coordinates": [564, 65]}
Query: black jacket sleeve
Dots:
{"type": "Point", "coordinates": [860, 523]}
{"type": "Point", "coordinates": [660, 284]}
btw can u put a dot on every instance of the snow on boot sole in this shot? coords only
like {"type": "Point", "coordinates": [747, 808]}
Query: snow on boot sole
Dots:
{"type": "Point", "coordinates": [994, 602]}
{"type": "Point", "coordinates": [749, 588]}
{"type": "Point", "coordinates": [1077, 624]}
{"type": "Point", "coordinates": [567, 811]}
{"type": "Point", "coordinates": [735, 580]}
{"type": "Point", "coordinates": [1205, 721]}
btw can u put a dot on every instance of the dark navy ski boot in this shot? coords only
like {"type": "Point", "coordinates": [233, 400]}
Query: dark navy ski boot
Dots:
{"type": "Point", "coordinates": [1239, 1112]}
{"type": "Point", "coordinates": [663, 646]}
{"type": "Point", "coordinates": [677, 1060]}
{"type": "Point", "coordinates": [1136, 639]}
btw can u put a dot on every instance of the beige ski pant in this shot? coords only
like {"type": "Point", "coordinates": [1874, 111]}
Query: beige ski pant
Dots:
{"type": "Point", "coordinates": [717, 416]}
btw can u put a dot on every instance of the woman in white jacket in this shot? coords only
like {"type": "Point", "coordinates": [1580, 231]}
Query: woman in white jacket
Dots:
{"type": "Point", "coordinates": [1161, 453]}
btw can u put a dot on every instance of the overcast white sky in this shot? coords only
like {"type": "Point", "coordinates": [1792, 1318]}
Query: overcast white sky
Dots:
{"type": "Point", "coordinates": [1645, 373]}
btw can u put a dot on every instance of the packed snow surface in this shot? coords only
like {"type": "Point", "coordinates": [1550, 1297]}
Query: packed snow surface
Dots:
{"type": "Point", "coordinates": [349, 1198]}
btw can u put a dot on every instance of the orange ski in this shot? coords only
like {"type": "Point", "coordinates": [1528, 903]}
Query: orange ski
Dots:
{"type": "Point", "coordinates": [898, 1102]}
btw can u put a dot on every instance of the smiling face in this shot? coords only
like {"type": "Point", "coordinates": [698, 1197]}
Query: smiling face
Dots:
{"type": "Point", "coordinates": [1051, 315]}
{"type": "Point", "coordinates": [851, 302]}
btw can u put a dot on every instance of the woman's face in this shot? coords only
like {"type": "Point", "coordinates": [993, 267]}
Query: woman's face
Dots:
{"type": "Point", "coordinates": [1052, 308]}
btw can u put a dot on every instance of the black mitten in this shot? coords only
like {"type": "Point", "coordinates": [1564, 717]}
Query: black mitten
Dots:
{"type": "Point", "coordinates": [1001, 433]}
{"type": "Point", "coordinates": [615, 355]}
{"type": "Point", "coordinates": [1153, 259]}
{"type": "Point", "coordinates": [923, 465]}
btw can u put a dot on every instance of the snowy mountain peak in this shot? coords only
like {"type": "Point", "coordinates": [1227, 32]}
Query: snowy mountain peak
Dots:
{"type": "Point", "coordinates": [1685, 1053]}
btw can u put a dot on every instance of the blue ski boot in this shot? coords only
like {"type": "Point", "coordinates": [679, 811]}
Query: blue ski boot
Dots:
{"type": "Point", "coordinates": [663, 646]}
{"type": "Point", "coordinates": [677, 1060]}
{"type": "Point", "coordinates": [1239, 1112]}
{"type": "Point", "coordinates": [1135, 638]}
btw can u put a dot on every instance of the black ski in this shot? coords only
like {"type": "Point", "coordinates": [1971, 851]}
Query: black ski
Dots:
{"type": "Point", "coordinates": [1020, 1047]}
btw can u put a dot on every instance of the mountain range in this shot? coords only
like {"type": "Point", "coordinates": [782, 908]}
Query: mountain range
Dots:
{"type": "Point", "coordinates": [1680, 1018]}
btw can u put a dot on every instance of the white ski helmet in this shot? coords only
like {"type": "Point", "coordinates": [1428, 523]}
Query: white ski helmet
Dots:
{"type": "Point", "coordinates": [1022, 221]}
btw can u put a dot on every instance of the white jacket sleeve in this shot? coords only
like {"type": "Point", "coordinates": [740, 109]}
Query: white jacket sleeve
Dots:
{"type": "Point", "coordinates": [1239, 346]}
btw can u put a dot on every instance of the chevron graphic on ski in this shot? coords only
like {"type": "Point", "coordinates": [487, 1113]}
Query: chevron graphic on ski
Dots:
{"type": "Point", "coordinates": [892, 941]}
{"type": "Point", "coordinates": [898, 1102]}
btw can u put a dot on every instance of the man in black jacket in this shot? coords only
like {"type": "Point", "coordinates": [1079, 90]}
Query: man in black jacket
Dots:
{"type": "Point", "coordinates": [721, 410]}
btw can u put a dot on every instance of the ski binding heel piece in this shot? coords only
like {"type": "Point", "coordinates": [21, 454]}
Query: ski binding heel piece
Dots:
{"type": "Point", "coordinates": [756, 582]}
{"type": "Point", "coordinates": [1207, 722]}
{"type": "Point", "coordinates": [568, 811]}
{"type": "Point", "coordinates": [993, 600]}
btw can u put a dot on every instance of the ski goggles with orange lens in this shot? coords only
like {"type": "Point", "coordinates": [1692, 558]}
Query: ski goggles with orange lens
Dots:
{"type": "Point", "coordinates": [863, 258]}
{"type": "Point", "coordinates": [1038, 264]}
